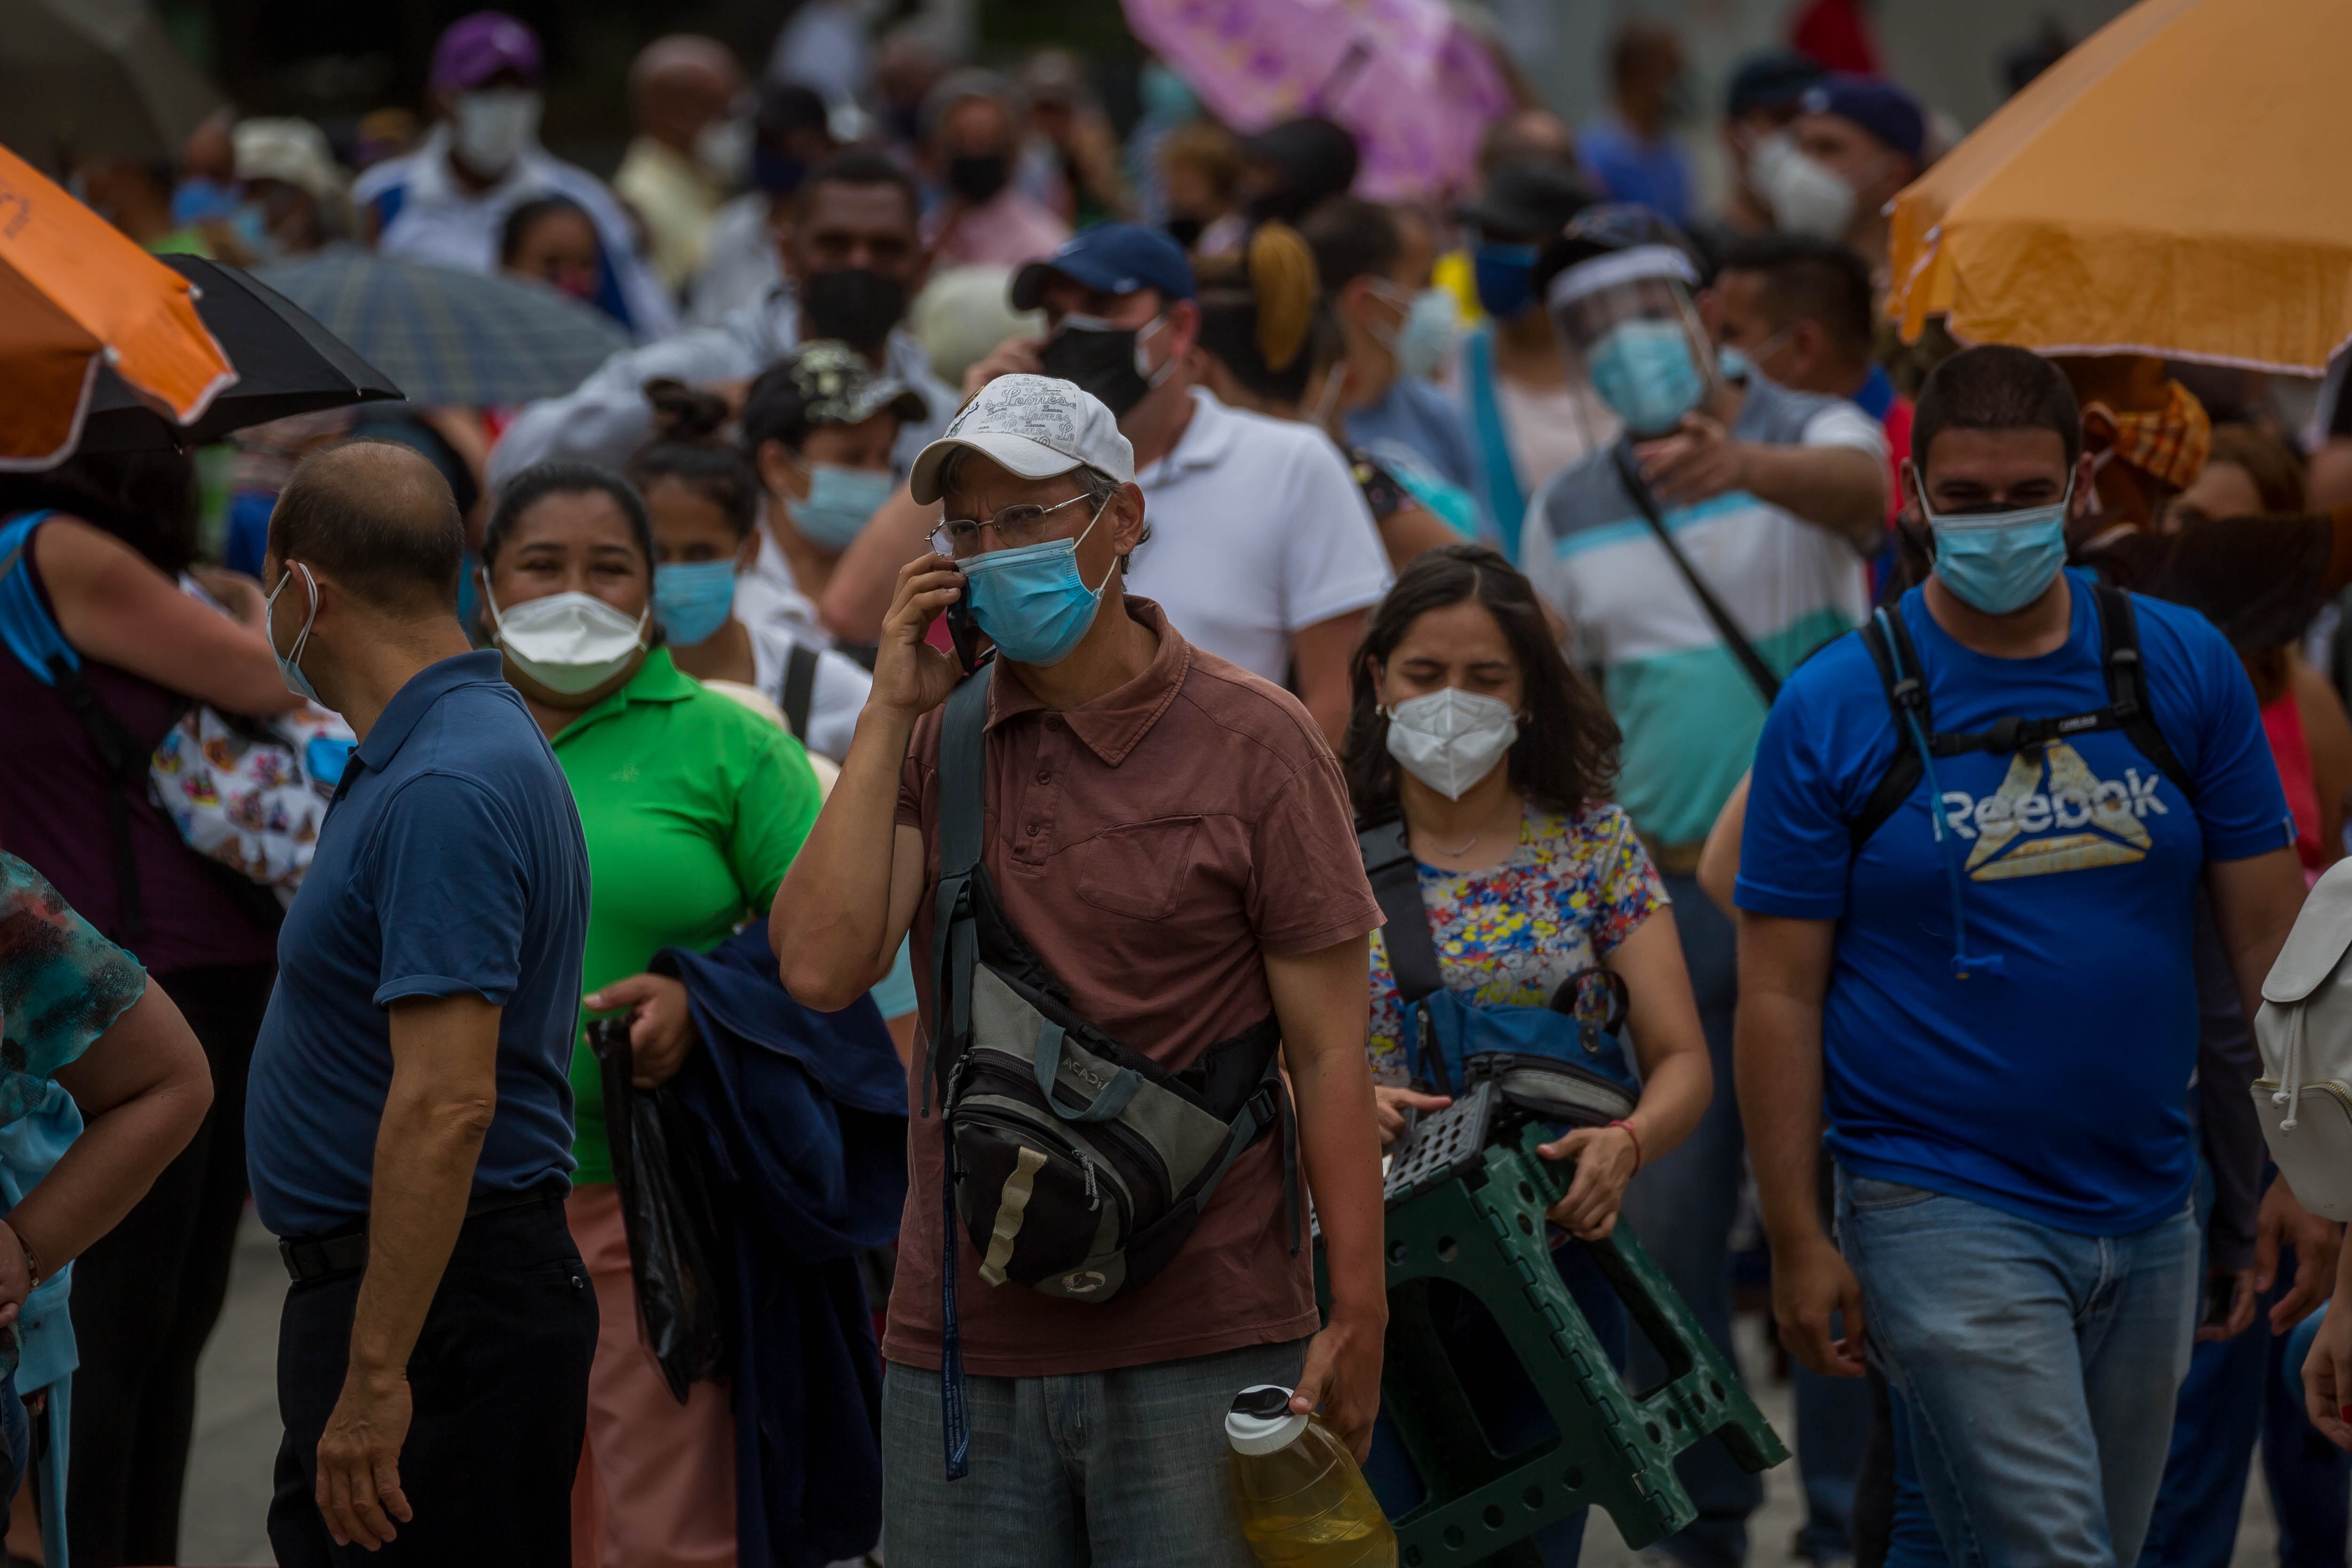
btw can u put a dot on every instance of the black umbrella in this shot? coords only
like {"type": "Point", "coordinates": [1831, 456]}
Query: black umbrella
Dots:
{"type": "Point", "coordinates": [286, 363]}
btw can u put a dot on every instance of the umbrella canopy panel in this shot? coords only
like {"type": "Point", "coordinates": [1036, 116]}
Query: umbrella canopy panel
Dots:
{"type": "Point", "coordinates": [2178, 185]}
{"type": "Point", "coordinates": [95, 78]}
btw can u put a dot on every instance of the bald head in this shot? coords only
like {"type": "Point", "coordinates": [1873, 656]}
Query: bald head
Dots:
{"type": "Point", "coordinates": [377, 519]}
{"type": "Point", "coordinates": [681, 83]}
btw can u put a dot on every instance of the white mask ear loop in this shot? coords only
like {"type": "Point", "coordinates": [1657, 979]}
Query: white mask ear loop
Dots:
{"type": "Point", "coordinates": [1152, 378]}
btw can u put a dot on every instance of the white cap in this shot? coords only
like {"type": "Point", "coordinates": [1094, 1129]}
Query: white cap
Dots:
{"type": "Point", "coordinates": [293, 150]}
{"type": "Point", "coordinates": [1261, 1421]}
{"type": "Point", "coordinates": [1032, 426]}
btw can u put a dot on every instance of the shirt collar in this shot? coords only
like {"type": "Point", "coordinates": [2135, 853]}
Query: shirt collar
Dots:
{"type": "Point", "coordinates": [658, 680]}
{"type": "Point", "coordinates": [411, 701]}
{"type": "Point", "coordinates": [1114, 723]}
{"type": "Point", "coordinates": [1206, 440]}
{"type": "Point", "coordinates": [1877, 393]}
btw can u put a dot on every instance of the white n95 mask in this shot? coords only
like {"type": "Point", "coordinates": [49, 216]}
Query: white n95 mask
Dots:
{"type": "Point", "coordinates": [1450, 739]}
{"type": "Point", "coordinates": [568, 643]}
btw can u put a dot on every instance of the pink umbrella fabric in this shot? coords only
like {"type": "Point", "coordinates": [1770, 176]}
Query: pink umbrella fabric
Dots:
{"type": "Point", "coordinates": [1414, 86]}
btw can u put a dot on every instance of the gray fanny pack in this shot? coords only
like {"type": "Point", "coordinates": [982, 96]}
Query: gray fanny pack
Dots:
{"type": "Point", "coordinates": [1076, 1164]}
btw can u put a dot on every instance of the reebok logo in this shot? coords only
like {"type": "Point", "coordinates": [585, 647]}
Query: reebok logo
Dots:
{"type": "Point", "coordinates": [2052, 814]}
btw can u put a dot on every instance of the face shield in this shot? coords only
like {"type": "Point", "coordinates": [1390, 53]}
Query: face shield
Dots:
{"type": "Point", "coordinates": [1628, 330]}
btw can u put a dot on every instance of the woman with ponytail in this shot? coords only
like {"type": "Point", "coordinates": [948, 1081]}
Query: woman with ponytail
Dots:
{"type": "Point", "coordinates": [1270, 343]}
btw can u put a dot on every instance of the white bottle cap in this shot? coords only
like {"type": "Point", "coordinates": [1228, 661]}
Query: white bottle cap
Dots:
{"type": "Point", "coordinates": [1261, 1420]}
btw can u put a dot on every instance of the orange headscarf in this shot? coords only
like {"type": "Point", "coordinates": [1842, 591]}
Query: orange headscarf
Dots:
{"type": "Point", "coordinates": [2170, 445]}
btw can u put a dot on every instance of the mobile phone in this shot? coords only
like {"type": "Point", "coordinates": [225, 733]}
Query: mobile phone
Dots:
{"type": "Point", "coordinates": [2220, 1294]}
{"type": "Point", "coordinates": [964, 633]}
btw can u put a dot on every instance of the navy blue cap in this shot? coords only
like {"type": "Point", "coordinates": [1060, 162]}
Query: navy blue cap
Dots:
{"type": "Point", "coordinates": [1878, 106]}
{"type": "Point", "coordinates": [1110, 258]}
{"type": "Point", "coordinates": [1773, 79]}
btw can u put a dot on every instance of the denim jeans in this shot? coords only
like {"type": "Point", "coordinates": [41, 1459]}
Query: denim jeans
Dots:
{"type": "Point", "coordinates": [1098, 1469]}
{"type": "Point", "coordinates": [2036, 1369]}
{"type": "Point", "coordinates": [1682, 1206]}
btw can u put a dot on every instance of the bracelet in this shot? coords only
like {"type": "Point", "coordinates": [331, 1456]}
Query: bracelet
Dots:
{"type": "Point", "coordinates": [1636, 1137]}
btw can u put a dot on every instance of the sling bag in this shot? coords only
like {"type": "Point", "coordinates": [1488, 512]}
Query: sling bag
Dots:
{"type": "Point", "coordinates": [1075, 1163]}
{"type": "Point", "coordinates": [1903, 677]}
{"type": "Point", "coordinates": [2304, 1030]}
{"type": "Point", "coordinates": [1629, 473]}
{"type": "Point", "coordinates": [798, 687]}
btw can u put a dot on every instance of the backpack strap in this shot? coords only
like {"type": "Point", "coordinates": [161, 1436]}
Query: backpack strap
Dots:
{"type": "Point", "coordinates": [2126, 674]}
{"type": "Point", "coordinates": [1395, 876]}
{"type": "Point", "coordinates": [799, 687]}
{"type": "Point", "coordinates": [1905, 681]}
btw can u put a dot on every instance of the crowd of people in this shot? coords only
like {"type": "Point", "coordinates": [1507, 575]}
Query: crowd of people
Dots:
{"type": "Point", "coordinates": [899, 743]}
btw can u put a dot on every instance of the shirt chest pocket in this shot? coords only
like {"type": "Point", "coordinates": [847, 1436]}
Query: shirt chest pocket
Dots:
{"type": "Point", "coordinates": [1139, 870]}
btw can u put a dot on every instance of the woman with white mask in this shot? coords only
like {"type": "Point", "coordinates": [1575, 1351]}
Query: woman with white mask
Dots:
{"type": "Point", "coordinates": [1469, 723]}
{"type": "Point", "coordinates": [692, 806]}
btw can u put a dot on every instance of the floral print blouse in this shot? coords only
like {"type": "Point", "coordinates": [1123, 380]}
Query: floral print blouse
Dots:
{"type": "Point", "coordinates": [1576, 886]}
{"type": "Point", "coordinates": [61, 986]}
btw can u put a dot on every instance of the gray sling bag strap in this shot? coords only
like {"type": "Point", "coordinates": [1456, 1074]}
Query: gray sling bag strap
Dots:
{"type": "Point", "coordinates": [1077, 1164]}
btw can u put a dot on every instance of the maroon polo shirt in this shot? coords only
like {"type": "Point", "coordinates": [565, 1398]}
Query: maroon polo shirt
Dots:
{"type": "Point", "coordinates": [1153, 845]}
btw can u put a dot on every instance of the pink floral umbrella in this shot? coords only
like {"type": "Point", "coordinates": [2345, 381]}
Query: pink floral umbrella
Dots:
{"type": "Point", "coordinates": [1404, 75]}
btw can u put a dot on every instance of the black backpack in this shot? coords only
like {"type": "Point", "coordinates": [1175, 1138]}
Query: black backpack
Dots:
{"type": "Point", "coordinates": [1076, 1164]}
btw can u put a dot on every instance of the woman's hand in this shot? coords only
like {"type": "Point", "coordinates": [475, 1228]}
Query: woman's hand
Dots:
{"type": "Point", "coordinates": [661, 1028]}
{"type": "Point", "coordinates": [911, 675]}
{"type": "Point", "coordinates": [1605, 1158]}
{"type": "Point", "coordinates": [1392, 1103]}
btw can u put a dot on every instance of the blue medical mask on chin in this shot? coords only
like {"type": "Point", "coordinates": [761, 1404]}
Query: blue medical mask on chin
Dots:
{"type": "Point", "coordinates": [1643, 369]}
{"type": "Point", "coordinates": [692, 599]}
{"type": "Point", "coordinates": [1505, 276]}
{"type": "Point", "coordinates": [290, 665]}
{"type": "Point", "coordinates": [839, 502]}
{"type": "Point", "coordinates": [1032, 601]}
{"type": "Point", "coordinates": [2000, 561]}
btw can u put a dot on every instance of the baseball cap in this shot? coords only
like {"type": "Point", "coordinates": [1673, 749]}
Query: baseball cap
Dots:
{"type": "Point", "coordinates": [478, 47]}
{"type": "Point", "coordinates": [1775, 78]}
{"type": "Point", "coordinates": [1111, 258]}
{"type": "Point", "coordinates": [1528, 196]}
{"type": "Point", "coordinates": [292, 150]}
{"type": "Point", "coordinates": [834, 385]}
{"type": "Point", "coordinates": [1032, 426]}
{"type": "Point", "coordinates": [1878, 106]}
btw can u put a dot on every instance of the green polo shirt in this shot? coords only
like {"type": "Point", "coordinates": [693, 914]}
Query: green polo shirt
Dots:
{"type": "Point", "coordinates": [692, 806]}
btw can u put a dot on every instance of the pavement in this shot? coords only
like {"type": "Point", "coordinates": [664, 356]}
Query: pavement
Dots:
{"type": "Point", "coordinates": [237, 1432]}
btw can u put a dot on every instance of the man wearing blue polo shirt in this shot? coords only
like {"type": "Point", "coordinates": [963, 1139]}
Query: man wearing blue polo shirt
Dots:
{"type": "Point", "coordinates": [409, 1115]}
{"type": "Point", "coordinates": [1971, 858]}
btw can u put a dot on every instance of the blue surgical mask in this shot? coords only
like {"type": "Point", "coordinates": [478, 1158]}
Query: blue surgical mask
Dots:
{"type": "Point", "coordinates": [1426, 335]}
{"type": "Point", "coordinates": [692, 599]}
{"type": "Point", "coordinates": [1506, 275]}
{"type": "Point", "coordinates": [1998, 562]}
{"type": "Point", "coordinates": [200, 199]}
{"type": "Point", "coordinates": [1642, 368]}
{"type": "Point", "coordinates": [1734, 364]}
{"type": "Point", "coordinates": [1032, 602]}
{"type": "Point", "coordinates": [839, 501]}
{"type": "Point", "coordinates": [290, 665]}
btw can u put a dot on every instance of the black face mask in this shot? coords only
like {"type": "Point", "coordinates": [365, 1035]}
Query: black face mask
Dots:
{"type": "Point", "coordinates": [978, 176]}
{"type": "Point", "coordinates": [1102, 360]}
{"type": "Point", "coordinates": [1185, 231]}
{"type": "Point", "coordinates": [854, 304]}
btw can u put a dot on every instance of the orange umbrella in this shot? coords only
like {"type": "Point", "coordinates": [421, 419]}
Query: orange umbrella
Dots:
{"type": "Point", "coordinates": [2178, 185]}
{"type": "Point", "coordinates": [74, 291]}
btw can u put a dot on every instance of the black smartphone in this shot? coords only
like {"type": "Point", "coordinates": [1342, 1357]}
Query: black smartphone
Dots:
{"type": "Point", "coordinates": [964, 633]}
{"type": "Point", "coordinates": [2220, 1294]}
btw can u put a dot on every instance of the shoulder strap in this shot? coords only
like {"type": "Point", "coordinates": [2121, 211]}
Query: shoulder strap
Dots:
{"type": "Point", "coordinates": [1767, 684]}
{"type": "Point", "coordinates": [26, 623]}
{"type": "Point", "coordinates": [963, 788]}
{"type": "Point", "coordinates": [1505, 499]}
{"type": "Point", "coordinates": [800, 684]}
{"type": "Point", "coordinates": [1905, 683]}
{"type": "Point", "coordinates": [2127, 675]}
{"type": "Point", "coordinates": [1395, 877]}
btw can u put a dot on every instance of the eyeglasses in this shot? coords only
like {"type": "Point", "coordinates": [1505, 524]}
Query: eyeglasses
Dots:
{"type": "Point", "coordinates": [1013, 527]}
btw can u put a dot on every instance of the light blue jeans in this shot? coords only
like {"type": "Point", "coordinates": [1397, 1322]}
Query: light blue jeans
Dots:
{"type": "Point", "coordinates": [2038, 1368]}
{"type": "Point", "coordinates": [1102, 1469]}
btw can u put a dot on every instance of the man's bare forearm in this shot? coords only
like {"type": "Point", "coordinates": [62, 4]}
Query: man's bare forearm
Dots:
{"type": "Point", "coordinates": [1842, 489]}
{"type": "Point", "coordinates": [1340, 1146]}
{"type": "Point", "coordinates": [1777, 1064]}
{"type": "Point", "coordinates": [426, 1150]}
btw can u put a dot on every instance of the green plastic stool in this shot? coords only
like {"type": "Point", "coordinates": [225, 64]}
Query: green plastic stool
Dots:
{"type": "Point", "coordinates": [1472, 1214]}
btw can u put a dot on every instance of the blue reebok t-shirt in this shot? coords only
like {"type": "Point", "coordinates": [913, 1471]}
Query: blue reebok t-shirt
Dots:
{"type": "Point", "coordinates": [2058, 1089]}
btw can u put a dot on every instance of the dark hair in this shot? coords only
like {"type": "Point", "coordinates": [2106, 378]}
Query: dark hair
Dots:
{"type": "Point", "coordinates": [2272, 466]}
{"type": "Point", "coordinates": [147, 500]}
{"type": "Point", "coordinates": [558, 477]}
{"type": "Point", "coordinates": [1259, 312]}
{"type": "Point", "coordinates": [1809, 278]}
{"type": "Point", "coordinates": [1995, 387]}
{"type": "Point", "coordinates": [378, 517]}
{"type": "Point", "coordinates": [685, 448]}
{"type": "Point", "coordinates": [525, 218]}
{"type": "Point", "coordinates": [1351, 238]}
{"type": "Point", "coordinates": [1566, 751]}
{"type": "Point", "coordinates": [857, 166]}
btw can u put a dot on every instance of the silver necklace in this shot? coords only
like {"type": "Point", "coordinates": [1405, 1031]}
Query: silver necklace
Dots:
{"type": "Point", "coordinates": [1461, 847]}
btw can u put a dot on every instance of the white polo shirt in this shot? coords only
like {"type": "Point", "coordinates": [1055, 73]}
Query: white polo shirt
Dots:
{"type": "Point", "coordinates": [1257, 532]}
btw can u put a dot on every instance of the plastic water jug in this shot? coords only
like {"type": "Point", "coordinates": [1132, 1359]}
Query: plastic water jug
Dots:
{"type": "Point", "coordinates": [1300, 1498]}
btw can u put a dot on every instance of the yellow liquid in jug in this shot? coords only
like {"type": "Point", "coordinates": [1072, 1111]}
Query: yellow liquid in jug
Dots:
{"type": "Point", "coordinates": [1307, 1506]}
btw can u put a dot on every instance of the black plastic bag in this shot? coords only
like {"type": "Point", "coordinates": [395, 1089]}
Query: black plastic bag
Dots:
{"type": "Point", "coordinates": [672, 1210]}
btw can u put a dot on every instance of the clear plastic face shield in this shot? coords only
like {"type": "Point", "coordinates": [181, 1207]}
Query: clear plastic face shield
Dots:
{"type": "Point", "coordinates": [1629, 329]}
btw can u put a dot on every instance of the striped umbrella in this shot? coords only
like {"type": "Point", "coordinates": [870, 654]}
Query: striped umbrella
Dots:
{"type": "Point", "coordinates": [446, 336]}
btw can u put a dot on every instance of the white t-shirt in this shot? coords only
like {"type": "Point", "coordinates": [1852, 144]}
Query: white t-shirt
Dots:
{"type": "Point", "coordinates": [1548, 428]}
{"type": "Point", "coordinates": [769, 596]}
{"type": "Point", "coordinates": [836, 696]}
{"type": "Point", "coordinates": [1257, 532]}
